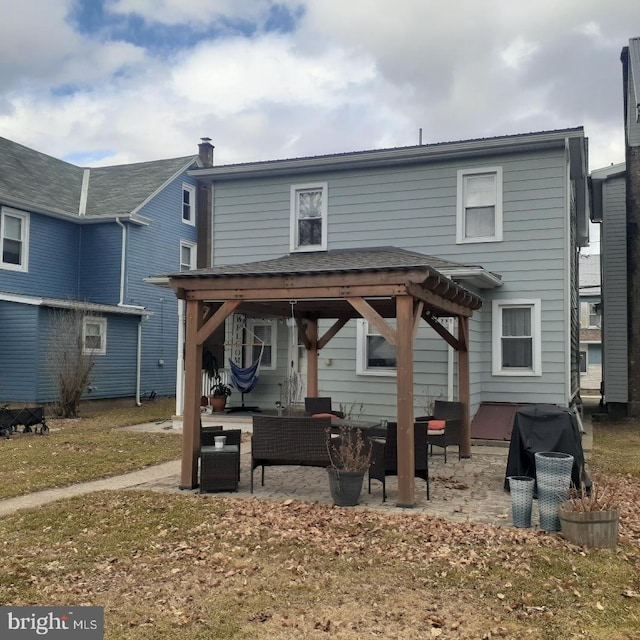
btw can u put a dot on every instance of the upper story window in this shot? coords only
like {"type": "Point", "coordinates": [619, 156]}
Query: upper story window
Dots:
{"type": "Point", "coordinates": [517, 349]}
{"type": "Point", "coordinates": [187, 256]}
{"type": "Point", "coordinates": [94, 336]}
{"type": "Point", "coordinates": [590, 315]}
{"type": "Point", "coordinates": [374, 355]}
{"type": "Point", "coordinates": [14, 240]}
{"type": "Point", "coordinates": [479, 204]}
{"type": "Point", "coordinates": [309, 217]}
{"type": "Point", "coordinates": [188, 204]}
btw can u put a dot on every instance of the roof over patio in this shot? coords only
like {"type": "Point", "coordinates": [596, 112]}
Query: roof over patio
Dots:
{"type": "Point", "coordinates": [376, 284]}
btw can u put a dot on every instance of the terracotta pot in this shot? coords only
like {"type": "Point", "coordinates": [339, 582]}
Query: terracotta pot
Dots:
{"type": "Point", "coordinates": [218, 403]}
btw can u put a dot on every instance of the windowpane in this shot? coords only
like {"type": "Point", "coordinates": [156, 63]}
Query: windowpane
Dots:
{"type": "Point", "coordinates": [583, 362]}
{"type": "Point", "coordinates": [480, 222]}
{"type": "Point", "coordinates": [480, 190]}
{"type": "Point", "coordinates": [380, 354]}
{"type": "Point", "coordinates": [261, 334]}
{"type": "Point", "coordinates": [12, 240]}
{"type": "Point", "coordinates": [93, 336]}
{"type": "Point", "coordinates": [185, 258]}
{"type": "Point", "coordinates": [309, 216]}
{"type": "Point", "coordinates": [517, 342]}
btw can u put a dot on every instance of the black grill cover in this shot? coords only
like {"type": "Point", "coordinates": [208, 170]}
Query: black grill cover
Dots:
{"type": "Point", "coordinates": [544, 427]}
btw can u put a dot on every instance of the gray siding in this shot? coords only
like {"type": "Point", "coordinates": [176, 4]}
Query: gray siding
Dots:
{"type": "Point", "coordinates": [414, 208]}
{"type": "Point", "coordinates": [633, 130]}
{"type": "Point", "coordinates": [614, 290]}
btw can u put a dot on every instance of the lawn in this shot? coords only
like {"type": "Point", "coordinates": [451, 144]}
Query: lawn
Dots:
{"type": "Point", "coordinates": [182, 565]}
{"type": "Point", "coordinates": [93, 446]}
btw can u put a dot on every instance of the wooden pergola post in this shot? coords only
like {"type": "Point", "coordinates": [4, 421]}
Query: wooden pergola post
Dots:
{"type": "Point", "coordinates": [406, 445]}
{"type": "Point", "coordinates": [463, 384]}
{"type": "Point", "coordinates": [312, 358]}
{"type": "Point", "coordinates": [192, 391]}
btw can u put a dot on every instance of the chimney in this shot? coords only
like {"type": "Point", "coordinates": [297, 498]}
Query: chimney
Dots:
{"type": "Point", "coordinates": [205, 152]}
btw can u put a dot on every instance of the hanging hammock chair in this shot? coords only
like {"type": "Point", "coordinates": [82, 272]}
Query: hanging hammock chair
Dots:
{"type": "Point", "coordinates": [245, 379]}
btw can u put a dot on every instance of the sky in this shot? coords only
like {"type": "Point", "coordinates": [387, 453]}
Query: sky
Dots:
{"type": "Point", "coordinates": [102, 82]}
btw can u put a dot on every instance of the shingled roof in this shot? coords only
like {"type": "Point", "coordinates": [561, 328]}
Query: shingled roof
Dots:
{"type": "Point", "coordinates": [333, 261]}
{"type": "Point", "coordinates": [37, 182]}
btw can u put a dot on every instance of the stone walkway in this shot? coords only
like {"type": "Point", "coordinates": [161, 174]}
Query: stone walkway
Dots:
{"type": "Point", "coordinates": [461, 490]}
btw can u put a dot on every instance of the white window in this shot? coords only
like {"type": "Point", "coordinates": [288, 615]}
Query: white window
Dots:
{"type": "Point", "coordinates": [188, 204]}
{"type": "Point", "coordinates": [14, 240]}
{"type": "Point", "coordinates": [94, 336]}
{"type": "Point", "coordinates": [374, 355]}
{"type": "Point", "coordinates": [187, 256]}
{"type": "Point", "coordinates": [309, 217]}
{"type": "Point", "coordinates": [479, 214]}
{"type": "Point", "coordinates": [261, 337]}
{"type": "Point", "coordinates": [516, 338]}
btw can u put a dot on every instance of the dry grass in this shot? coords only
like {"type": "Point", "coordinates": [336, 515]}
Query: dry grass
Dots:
{"type": "Point", "coordinates": [85, 449]}
{"type": "Point", "coordinates": [196, 567]}
{"type": "Point", "coordinates": [616, 447]}
{"type": "Point", "coordinates": [183, 565]}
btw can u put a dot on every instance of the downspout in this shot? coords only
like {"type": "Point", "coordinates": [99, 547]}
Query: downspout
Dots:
{"type": "Point", "coordinates": [138, 362]}
{"type": "Point", "coordinates": [123, 265]}
{"type": "Point", "coordinates": [123, 260]}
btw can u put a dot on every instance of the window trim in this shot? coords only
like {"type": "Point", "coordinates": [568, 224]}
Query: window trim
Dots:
{"type": "Point", "coordinates": [194, 249]}
{"type": "Point", "coordinates": [102, 323]}
{"type": "Point", "coordinates": [362, 332]}
{"type": "Point", "coordinates": [248, 353]}
{"type": "Point", "coordinates": [293, 223]}
{"type": "Point", "coordinates": [24, 216]}
{"type": "Point", "coordinates": [536, 335]}
{"type": "Point", "coordinates": [461, 209]}
{"type": "Point", "coordinates": [191, 221]}
{"type": "Point", "coordinates": [586, 361]}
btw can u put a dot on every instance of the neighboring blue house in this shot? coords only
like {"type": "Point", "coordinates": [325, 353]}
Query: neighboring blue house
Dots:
{"type": "Point", "coordinates": [503, 217]}
{"type": "Point", "coordinates": [77, 236]}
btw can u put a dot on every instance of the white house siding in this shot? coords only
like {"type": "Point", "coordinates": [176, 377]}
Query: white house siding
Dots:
{"type": "Point", "coordinates": [614, 290]}
{"type": "Point", "coordinates": [414, 207]}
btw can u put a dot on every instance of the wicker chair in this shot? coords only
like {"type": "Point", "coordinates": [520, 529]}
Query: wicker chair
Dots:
{"type": "Point", "coordinates": [320, 405]}
{"type": "Point", "coordinates": [452, 413]}
{"type": "Point", "coordinates": [385, 458]}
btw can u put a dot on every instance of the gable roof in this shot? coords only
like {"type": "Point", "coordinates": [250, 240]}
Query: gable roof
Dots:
{"type": "Point", "coordinates": [37, 182]}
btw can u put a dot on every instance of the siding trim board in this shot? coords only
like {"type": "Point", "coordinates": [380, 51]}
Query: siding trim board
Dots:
{"type": "Point", "coordinates": [70, 304]}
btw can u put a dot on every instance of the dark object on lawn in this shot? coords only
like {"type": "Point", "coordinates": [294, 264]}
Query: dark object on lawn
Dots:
{"type": "Point", "coordinates": [11, 419]}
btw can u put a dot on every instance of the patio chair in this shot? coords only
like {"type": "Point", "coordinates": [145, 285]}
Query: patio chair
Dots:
{"type": "Point", "coordinates": [444, 426]}
{"type": "Point", "coordinates": [385, 458]}
{"type": "Point", "coordinates": [321, 405]}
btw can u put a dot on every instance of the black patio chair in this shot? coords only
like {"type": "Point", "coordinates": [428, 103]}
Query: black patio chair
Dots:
{"type": "Point", "coordinates": [313, 406]}
{"type": "Point", "coordinates": [451, 413]}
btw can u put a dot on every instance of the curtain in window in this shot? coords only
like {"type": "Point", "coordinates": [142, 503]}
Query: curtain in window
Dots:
{"type": "Point", "coordinates": [480, 209]}
{"type": "Point", "coordinates": [517, 340]}
{"type": "Point", "coordinates": [310, 217]}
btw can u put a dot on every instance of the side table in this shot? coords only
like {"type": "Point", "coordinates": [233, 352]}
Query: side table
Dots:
{"type": "Point", "coordinates": [219, 468]}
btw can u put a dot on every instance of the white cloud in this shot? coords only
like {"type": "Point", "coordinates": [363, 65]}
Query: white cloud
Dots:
{"type": "Point", "coordinates": [353, 75]}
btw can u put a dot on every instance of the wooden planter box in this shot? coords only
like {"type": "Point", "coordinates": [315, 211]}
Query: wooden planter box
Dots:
{"type": "Point", "coordinates": [594, 529]}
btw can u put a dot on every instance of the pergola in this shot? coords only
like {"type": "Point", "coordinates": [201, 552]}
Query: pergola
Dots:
{"type": "Point", "coordinates": [375, 284]}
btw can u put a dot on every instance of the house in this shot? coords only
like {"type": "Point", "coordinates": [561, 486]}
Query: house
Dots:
{"type": "Point", "coordinates": [500, 218]}
{"type": "Point", "coordinates": [615, 194]}
{"type": "Point", "coordinates": [590, 325]}
{"type": "Point", "coordinates": [74, 237]}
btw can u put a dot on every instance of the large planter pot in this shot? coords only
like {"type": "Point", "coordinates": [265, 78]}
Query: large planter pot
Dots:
{"type": "Point", "coordinates": [553, 473]}
{"type": "Point", "coordinates": [345, 486]}
{"type": "Point", "coordinates": [218, 403]}
{"type": "Point", "coordinates": [521, 488]}
{"type": "Point", "coordinates": [594, 529]}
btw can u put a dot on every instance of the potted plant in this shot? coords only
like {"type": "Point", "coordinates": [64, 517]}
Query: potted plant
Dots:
{"type": "Point", "coordinates": [219, 394]}
{"type": "Point", "coordinates": [350, 458]}
{"type": "Point", "coordinates": [591, 515]}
